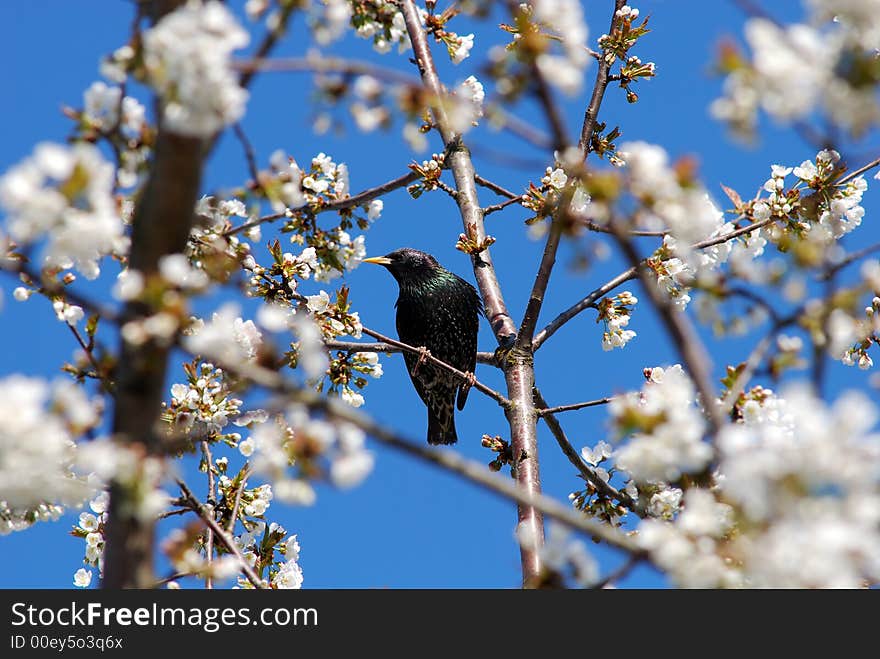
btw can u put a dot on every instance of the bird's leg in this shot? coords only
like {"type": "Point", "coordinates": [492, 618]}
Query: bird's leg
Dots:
{"type": "Point", "coordinates": [469, 381]}
{"type": "Point", "coordinates": [424, 353]}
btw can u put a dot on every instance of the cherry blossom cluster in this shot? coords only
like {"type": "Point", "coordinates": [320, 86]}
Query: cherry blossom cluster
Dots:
{"type": "Point", "coordinates": [867, 333]}
{"type": "Point", "coordinates": [814, 212]}
{"type": "Point", "coordinates": [564, 21]}
{"type": "Point", "coordinates": [615, 312]}
{"type": "Point", "coordinates": [227, 338]}
{"type": "Point", "coordinates": [590, 500]}
{"type": "Point", "coordinates": [346, 373]}
{"type": "Point", "coordinates": [64, 195]}
{"type": "Point", "coordinates": [465, 105]}
{"type": "Point", "coordinates": [213, 249]}
{"type": "Point", "coordinates": [204, 405]}
{"type": "Point", "coordinates": [315, 319]}
{"type": "Point", "coordinates": [795, 70]}
{"type": "Point", "coordinates": [186, 59]}
{"type": "Point", "coordinates": [545, 200]}
{"type": "Point", "coordinates": [665, 426]}
{"type": "Point", "coordinates": [274, 557]}
{"type": "Point", "coordinates": [39, 471]}
{"type": "Point", "coordinates": [430, 171]}
{"type": "Point", "coordinates": [616, 46]}
{"type": "Point", "coordinates": [109, 115]}
{"type": "Point", "coordinates": [293, 449]}
{"type": "Point", "coordinates": [795, 500]}
{"type": "Point", "coordinates": [91, 527]}
{"type": "Point", "coordinates": [457, 46]}
{"type": "Point", "coordinates": [302, 195]}
{"type": "Point", "coordinates": [381, 22]}
{"type": "Point", "coordinates": [182, 548]}
{"type": "Point", "coordinates": [329, 19]}
{"type": "Point", "coordinates": [670, 200]}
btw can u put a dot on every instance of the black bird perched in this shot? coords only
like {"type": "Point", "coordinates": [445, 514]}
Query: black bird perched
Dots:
{"type": "Point", "coordinates": [440, 311]}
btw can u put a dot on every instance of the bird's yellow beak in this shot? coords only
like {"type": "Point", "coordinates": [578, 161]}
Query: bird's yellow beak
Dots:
{"type": "Point", "coordinates": [378, 260]}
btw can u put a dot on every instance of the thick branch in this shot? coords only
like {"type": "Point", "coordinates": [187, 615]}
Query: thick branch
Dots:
{"type": "Point", "coordinates": [161, 226]}
{"type": "Point", "coordinates": [518, 369]}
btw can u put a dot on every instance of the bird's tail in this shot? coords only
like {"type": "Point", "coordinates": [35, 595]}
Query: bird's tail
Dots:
{"type": "Point", "coordinates": [441, 431]}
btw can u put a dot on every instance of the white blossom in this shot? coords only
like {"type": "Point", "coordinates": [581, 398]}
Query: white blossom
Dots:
{"type": "Point", "coordinates": [466, 105]}
{"type": "Point", "coordinates": [82, 578]}
{"type": "Point", "coordinates": [187, 58]}
{"type": "Point", "coordinates": [672, 447]}
{"type": "Point", "coordinates": [565, 18]}
{"type": "Point", "coordinates": [227, 338]}
{"type": "Point", "coordinates": [65, 196]}
{"type": "Point", "coordinates": [37, 451]}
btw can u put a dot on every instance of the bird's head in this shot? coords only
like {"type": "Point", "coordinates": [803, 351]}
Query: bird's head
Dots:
{"type": "Point", "coordinates": [407, 264]}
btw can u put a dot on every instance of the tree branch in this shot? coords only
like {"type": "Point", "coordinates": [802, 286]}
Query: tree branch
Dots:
{"type": "Point", "coordinates": [539, 288]}
{"type": "Point", "coordinates": [574, 406]}
{"type": "Point", "coordinates": [381, 346]}
{"type": "Point", "coordinates": [446, 459]}
{"type": "Point", "coordinates": [584, 303]}
{"type": "Point", "coordinates": [431, 359]}
{"type": "Point", "coordinates": [592, 111]}
{"type": "Point", "coordinates": [362, 197]}
{"type": "Point", "coordinates": [221, 535]}
{"type": "Point", "coordinates": [518, 369]}
{"type": "Point", "coordinates": [681, 330]}
{"type": "Point", "coordinates": [161, 226]}
{"type": "Point", "coordinates": [586, 471]}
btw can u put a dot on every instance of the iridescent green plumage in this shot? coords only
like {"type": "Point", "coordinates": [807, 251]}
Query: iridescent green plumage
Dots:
{"type": "Point", "coordinates": [440, 311]}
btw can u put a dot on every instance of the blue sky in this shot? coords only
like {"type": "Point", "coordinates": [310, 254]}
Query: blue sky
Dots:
{"type": "Point", "coordinates": [408, 525]}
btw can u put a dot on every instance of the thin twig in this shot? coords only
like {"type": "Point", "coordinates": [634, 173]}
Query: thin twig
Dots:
{"type": "Point", "coordinates": [249, 154]}
{"type": "Point", "coordinates": [488, 210]}
{"type": "Point", "coordinates": [356, 346]}
{"type": "Point", "coordinates": [494, 187]}
{"type": "Point", "coordinates": [616, 575]}
{"type": "Point", "coordinates": [461, 375]}
{"type": "Point", "coordinates": [592, 112]}
{"type": "Point", "coordinates": [586, 471]}
{"type": "Point", "coordinates": [349, 202]}
{"type": "Point", "coordinates": [209, 541]}
{"type": "Point", "coordinates": [682, 332]}
{"type": "Point", "coordinates": [861, 170]}
{"type": "Point", "coordinates": [599, 228]}
{"type": "Point", "coordinates": [89, 354]}
{"type": "Point", "coordinates": [236, 504]}
{"type": "Point", "coordinates": [221, 535]}
{"type": "Point", "coordinates": [751, 365]}
{"type": "Point", "coordinates": [270, 40]}
{"type": "Point", "coordinates": [584, 303]}
{"type": "Point", "coordinates": [574, 406]}
{"type": "Point", "coordinates": [849, 260]}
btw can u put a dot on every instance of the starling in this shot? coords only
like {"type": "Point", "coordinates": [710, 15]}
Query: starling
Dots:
{"type": "Point", "coordinates": [440, 311]}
